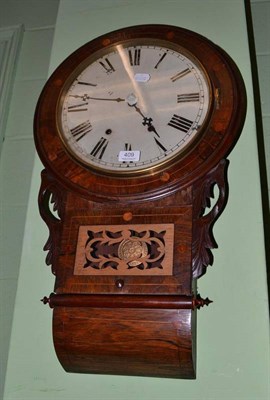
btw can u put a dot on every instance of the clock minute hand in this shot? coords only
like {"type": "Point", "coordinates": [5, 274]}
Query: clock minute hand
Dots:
{"type": "Point", "coordinates": [118, 99]}
{"type": "Point", "coordinates": [86, 97]}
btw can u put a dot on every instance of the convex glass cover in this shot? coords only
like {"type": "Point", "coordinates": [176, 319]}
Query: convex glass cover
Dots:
{"type": "Point", "coordinates": [133, 106]}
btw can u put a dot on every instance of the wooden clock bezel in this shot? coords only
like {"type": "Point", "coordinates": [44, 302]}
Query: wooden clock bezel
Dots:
{"type": "Point", "coordinates": [216, 141]}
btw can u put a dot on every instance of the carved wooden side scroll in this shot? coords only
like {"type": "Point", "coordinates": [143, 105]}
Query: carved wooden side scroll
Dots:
{"type": "Point", "coordinates": [51, 202]}
{"type": "Point", "coordinates": [203, 239]}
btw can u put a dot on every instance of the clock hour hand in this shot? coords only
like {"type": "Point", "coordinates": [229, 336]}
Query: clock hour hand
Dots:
{"type": "Point", "coordinates": [151, 128]}
{"type": "Point", "coordinates": [146, 121]}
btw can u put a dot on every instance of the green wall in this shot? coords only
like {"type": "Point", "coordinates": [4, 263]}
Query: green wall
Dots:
{"type": "Point", "coordinates": [36, 21]}
{"type": "Point", "coordinates": [233, 348]}
{"type": "Point", "coordinates": [261, 25]}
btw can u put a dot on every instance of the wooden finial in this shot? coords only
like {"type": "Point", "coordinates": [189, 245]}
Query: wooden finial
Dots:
{"type": "Point", "coordinates": [200, 302]}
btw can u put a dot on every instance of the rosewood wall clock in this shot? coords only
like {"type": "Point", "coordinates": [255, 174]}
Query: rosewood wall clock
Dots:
{"type": "Point", "coordinates": [133, 129]}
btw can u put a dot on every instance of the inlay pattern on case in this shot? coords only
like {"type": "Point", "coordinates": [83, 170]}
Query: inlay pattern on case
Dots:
{"type": "Point", "coordinates": [122, 250]}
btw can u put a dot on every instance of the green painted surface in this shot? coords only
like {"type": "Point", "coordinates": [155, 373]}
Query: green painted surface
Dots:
{"type": "Point", "coordinates": [233, 335]}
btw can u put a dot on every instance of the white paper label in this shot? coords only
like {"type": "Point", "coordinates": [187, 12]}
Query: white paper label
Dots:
{"type": "Point", "coordinates": [142, 77]}
{"type": "Point", "coordinates": [131, 155]}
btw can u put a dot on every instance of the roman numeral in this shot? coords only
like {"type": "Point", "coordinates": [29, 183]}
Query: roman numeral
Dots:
{"type": "Point", "coordinates": [183, 98]}
{"type": "Point", "coordinates": [81, 130]}
{"type": "Point", "coordinates": [77, 107]}
{"type": "Point", "coordinates": [180, 74]}
{"type": "Point", "coordinates": [134, 56]}
{"type": "Point", "coordinates": [127, 147]}
{"type": "Point", "coordinates": [159, 61]}
{"type": "Point", "coordinates": [100, 148]}
{"type": "Point", "coordinates": [107, 66]}
{"type": "Point", "coordinates": [86, 83]}
{"type": "Point", "coordinates": [160, 145]}
{"type": "Point", "coordinates": [181, 123]}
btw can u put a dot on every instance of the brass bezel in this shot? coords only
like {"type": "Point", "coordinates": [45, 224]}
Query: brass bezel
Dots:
{"type": "Point", "coordinates": [163, 164]}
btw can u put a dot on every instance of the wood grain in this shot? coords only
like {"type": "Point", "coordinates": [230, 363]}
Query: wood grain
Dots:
{"type": "Point", "coordinates": [125, 341]}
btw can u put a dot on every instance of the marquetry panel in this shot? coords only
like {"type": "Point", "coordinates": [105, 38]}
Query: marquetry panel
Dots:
{"type": "Point", "coordinates": [125, 250]}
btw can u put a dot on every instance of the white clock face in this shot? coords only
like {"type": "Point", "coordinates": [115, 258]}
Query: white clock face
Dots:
{"type": "Point", "coordinates": [134, 108]}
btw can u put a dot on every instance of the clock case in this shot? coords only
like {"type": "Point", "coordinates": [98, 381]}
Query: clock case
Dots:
{"type": "Point", "coordinates": [138, 319]}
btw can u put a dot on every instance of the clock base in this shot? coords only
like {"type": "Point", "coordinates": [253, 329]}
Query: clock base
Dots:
{"type": "Point", "coordinates": [126, 341]}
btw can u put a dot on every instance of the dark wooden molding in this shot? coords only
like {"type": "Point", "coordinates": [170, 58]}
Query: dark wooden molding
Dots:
{"type": "Point", "coordinates": [131, 301]}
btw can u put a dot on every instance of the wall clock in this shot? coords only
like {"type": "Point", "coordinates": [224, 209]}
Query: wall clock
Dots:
{"type": "Point", "coordinates": [133, 129]}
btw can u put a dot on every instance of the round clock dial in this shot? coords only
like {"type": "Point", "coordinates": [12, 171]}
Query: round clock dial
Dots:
{"type": "Point", "coordinates": [133, 107]}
